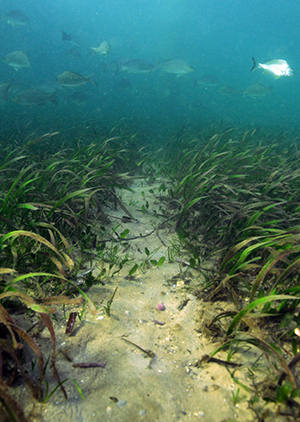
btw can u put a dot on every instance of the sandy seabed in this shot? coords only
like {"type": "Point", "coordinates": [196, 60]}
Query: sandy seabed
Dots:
{"type": "Point", "coordinates": [134, 386]}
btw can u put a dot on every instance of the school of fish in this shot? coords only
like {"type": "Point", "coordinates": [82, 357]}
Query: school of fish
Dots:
{"type": "Point", "coordinates": [35, 95]}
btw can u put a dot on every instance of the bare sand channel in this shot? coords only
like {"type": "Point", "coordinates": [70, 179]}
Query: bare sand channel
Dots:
{"type": "Point", "coordinates": [133, 386]}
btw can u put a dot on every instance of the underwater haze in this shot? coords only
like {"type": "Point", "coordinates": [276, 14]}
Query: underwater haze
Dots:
{"type": "Point", "coordinates": [149, 161]}
{"type": "Point", "coordinates": [164, 64]}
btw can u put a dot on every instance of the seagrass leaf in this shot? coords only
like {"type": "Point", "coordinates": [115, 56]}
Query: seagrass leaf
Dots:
{"type": "Point", "coordinates": [6, 320]}
{"type": "Point", "coordinates": [29, 301]}
{"type": "Point", "coordinates": [273, 260]}
{"type": "Point", "coordinates": [51, 227]}
{"type": "Point", "coordinates": [61, 300]}
{"type": "Point", "coordinates": [40, 138]}
{"type": "Point", "coordinates": [266, 348]}
{"type": "Point", "coordinates": [12, 409]}
{"type": "Point", "coordinates": [33, 345]}
{"type": "Point", "coordinates": [7, 271]}
{"type": "Point", "coordinates": [247, 309]}
{"type": "Point", "coordinates": [32, 235]}
{"type": "Point", "coordinates": [49, 325]}
{"type": "Point", "coordinates": [80, 193]}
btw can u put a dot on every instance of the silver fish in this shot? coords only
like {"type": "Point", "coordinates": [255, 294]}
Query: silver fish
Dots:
{"type": "Point", "coordinates": [275, 67]}
{"type": "Point", "coordinates": [176, 66]}
{"type": "Point", "coordinates": [136, 66]}
{"type": "Point", "coordinates": [17, 60]}
{"type": "Point", "coordinates": [72, 79]}
{"type": "Point", "coordinates": [16, 18]}
{"type": "Point", "coordinates": [103, 49]}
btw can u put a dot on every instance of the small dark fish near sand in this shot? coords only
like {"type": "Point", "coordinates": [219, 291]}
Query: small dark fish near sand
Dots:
{"type": "Point", "coordinates": [72, 79]}
{"type": "Point", "coordinates": [15, 18]}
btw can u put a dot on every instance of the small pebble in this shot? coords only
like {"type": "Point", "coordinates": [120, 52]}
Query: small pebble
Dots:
{"type": "Point", "coordinates": [160, 307]}
{"type": "Point", "coordinates": [121, 403]}
{"type": "Point", "coordinates": [142, 412]}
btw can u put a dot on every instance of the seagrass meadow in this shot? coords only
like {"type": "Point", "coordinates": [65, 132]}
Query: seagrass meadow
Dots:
{"type": "Point", "coordinates": [230, 196]}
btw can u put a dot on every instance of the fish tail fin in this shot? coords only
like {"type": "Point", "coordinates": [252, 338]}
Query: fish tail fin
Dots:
{"type": "Point", "coordinates": [91, 79]}
{"type": "Point", "coordinates": [65, 36]}
{"type": "Point", "coordinates": [255, 65]}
